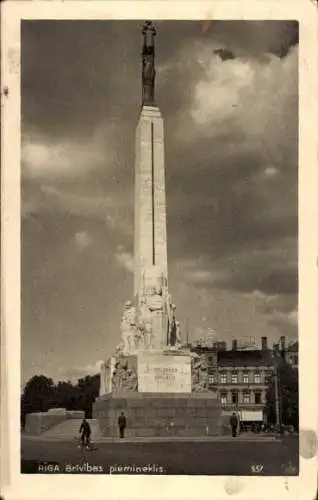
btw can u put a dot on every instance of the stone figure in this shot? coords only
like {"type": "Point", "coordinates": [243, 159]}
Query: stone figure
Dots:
{"type": "Point", "coordinates": [103, 379]}
{"type": "Point", "coordinates": [171, 324]}
{"type": "Point", "coordinates": [145, 324]}
{"type": "Point", "coordinates": [128, 329]}
{"type": "Point", "coordinates": [120, 349]}
{"type": "Point", "coordinates": [124, 378]}
{"type": "Point", "coordinates": [148, 70]}
{"type": "Point", "coordinates": [148, 64]}
{"type": "Point", "coordinates": [152, 306]}
{"type": "Point", "coordinates": [199, 374]}
{"type": "Point", "coordinates": [178, 334]}
{"type": "Point", "coordinates": [174, 335]}
{"type": "Point", "coordinates": [149, 32]}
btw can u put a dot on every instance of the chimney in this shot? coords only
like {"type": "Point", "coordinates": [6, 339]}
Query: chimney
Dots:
{"type": "Point", "coordinates": [283, 343]}
{"type": "Point", "coordinates": [283, 347]}
{"type": "Point", "coordinates": [276, 350]}
{"type": "Point", "coordinates": [234, 345]}
{"type": "Point", "coordinates": [264, 344]}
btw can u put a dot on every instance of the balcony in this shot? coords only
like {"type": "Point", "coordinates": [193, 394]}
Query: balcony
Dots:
{"type": "Point", "coordinates": [242, 406]}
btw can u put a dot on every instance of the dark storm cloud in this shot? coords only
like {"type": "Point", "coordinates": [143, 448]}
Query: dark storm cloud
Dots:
{"type": "Point", "coordinates": [224, 217]}
{"type": "Point", "coordinates": [269, 281]}
{"type": "Point", "coordinates": [285, 326]}
{"type": "Point", "coordinates": [289, 38]}
{"type": "Point", "coordinates": [224, 54]}
{"type": "Point", "coordinates": [269, 268]}
{"type": "Point", "coordinates": [75, 73]}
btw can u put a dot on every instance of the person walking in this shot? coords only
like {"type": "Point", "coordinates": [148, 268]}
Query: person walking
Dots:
{"type": "Point", "coordinates": [122, 424]}
{"type": "Point", "coordinates": [233, 423]}
{"type": "Point", "coordinates": [85, 432]}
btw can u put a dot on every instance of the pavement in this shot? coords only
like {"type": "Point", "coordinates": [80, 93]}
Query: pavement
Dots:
{"type": "Point", "coordinates": [209, 456]}
{"type": "Point", "coordinates": [257, 438]}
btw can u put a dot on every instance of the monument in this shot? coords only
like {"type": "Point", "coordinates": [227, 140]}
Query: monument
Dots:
{"type": "Point", "coordinates": [160, 384]}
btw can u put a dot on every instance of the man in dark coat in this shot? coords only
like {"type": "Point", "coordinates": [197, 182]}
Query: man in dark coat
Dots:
{"type": "Point", "coordinates": [85, 432]}
{"type": "Point", "coordinates": [233, 423]}
{"type": "Point", "coordinates": [122, 424]}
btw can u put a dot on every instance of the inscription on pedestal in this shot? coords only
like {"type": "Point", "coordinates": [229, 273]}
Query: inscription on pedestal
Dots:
{"type": "Point", "coordinates": [164, 373]}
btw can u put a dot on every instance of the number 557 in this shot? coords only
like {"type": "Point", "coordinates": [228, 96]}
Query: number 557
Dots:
{"type": "Point", "coordinates": [257, 469]}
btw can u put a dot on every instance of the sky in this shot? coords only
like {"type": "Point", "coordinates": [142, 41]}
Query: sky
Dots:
{"type": "Point", "coordinates": [228, 93]}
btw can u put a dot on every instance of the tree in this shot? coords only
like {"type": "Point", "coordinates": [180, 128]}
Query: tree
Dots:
{"type": "Point", "coordinates": [65, 395]}
{"type": "Point", "coordinates": [38, 396]}
{"type": "Point", "coordinates": [41, 394]}
{"type": "Point", "coordinates": [287, 395]}
{"type": "Point", "coordinates": [88, 390]}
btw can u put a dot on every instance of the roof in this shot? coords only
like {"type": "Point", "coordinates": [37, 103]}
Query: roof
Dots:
{"type": "Point", "coordinates": [244, 358]}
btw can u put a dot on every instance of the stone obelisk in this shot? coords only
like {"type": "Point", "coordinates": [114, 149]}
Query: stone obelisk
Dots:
{"type": "Point", "coordinates": [152, 376]}
{"type": "Point", "coordinates": [150, 238]}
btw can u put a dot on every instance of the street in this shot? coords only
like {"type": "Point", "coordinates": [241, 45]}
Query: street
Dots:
{"type": "Point", "coordinates": [192, 458]}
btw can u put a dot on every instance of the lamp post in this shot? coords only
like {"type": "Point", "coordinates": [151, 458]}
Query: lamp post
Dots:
{"type": "Point", "coordinates": [276, 396]}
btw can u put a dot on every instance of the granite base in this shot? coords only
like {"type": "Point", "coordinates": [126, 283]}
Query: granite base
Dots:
{"type": "Point", "coordinates": [155, 414]}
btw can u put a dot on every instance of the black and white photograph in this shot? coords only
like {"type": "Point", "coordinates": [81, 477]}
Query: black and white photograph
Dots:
{"type": "Point", "coordinates": [160, 259]}
{"type": "Point", "coordinates": [159, 247]}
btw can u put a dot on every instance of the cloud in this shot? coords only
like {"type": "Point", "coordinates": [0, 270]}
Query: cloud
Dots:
{"type": "Point", "coordinates": [224, 54]}
{"type": "Point", "coordinates": [240, 114]}
{"type": "Point", "coordinates": [286, 324]}
{"type": "Point", "coordinates": [124, 259]}
{"type": "Point", "coordinates": [270, 172]}
{"type": "Point", "coordinates": [231, 170]}
{"type": "Point", "coordinates": [269, 270]}
{"type": "Point", "coordinates": [47, 158]}
{"type": "Point", "coordinates": [74, 373]}
{"type": "Point", "coordinates": [235, 181]}
{"type": "Point", "coordinates": [280, 311]}
{"type": "Point", "coordinates": [67, 200]}
{"type": "Point", "coordinates": [246, 99]}
{"type": "Point", "coordinates": [83, 240]}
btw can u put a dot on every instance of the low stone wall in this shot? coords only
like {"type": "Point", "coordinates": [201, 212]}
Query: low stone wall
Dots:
{"type": "Point", "coordinates": [37, 423]}
{"type": "Point", "coordinates": [154, 414]}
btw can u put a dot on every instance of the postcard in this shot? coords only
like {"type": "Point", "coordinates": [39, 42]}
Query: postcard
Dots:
{"type": "Point", "coordinates": [159, 255]}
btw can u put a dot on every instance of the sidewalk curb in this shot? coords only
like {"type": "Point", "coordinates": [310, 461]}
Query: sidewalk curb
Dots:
{"type": "Point", "coordinates": [136, 440]}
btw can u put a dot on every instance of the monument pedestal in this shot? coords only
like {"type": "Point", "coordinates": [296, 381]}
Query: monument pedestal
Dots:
{"type": "Point", "coordinates": [163, 404]}
{"type": "Point", "coordinates": [157, 414]}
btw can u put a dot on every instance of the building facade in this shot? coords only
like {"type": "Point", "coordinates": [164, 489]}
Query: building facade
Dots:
{"type": "Point", "coordinates": [241, 378]}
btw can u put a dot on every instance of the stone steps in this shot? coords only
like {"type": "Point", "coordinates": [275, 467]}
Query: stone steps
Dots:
{"type": "Point", "coordinates": [69, 428]}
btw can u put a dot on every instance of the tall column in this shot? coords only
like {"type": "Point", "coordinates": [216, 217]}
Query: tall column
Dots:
{"type": "Point", "coordinates": [150, 197]}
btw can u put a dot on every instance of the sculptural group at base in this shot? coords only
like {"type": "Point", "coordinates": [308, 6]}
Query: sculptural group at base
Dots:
{"type": "Point", "coordinates": [151, 323]}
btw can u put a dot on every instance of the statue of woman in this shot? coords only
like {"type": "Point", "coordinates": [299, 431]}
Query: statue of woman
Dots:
{"type": "Point", "coordinates": [148, 63]}
{"type": "Point", "coordinates": [128, 328]}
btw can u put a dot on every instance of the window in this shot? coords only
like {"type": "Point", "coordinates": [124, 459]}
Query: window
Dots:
{"type": "Point", "coordinates": [223, 378]}
{"type": "Point", "coordinates": [234, 398]}
{"type": "Point", "coordinates": [246, 397]}
{"type": "Point", "coordinates": [234, 378]}
{"type": "Point", "coordinates": [257, 378]}
{"type": "Point", "coordinates": [223, 398]}
{"type": "Point", "coordinates": [268, 377]}
{"type": "Point", "coordinates": [245, 378]}
{"type": "Point", "coordinates": [210, 359]}
{"type": "Point", "coordinates": [258, 398]}
{"type": "Point", "coordinates": [211, 378]}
